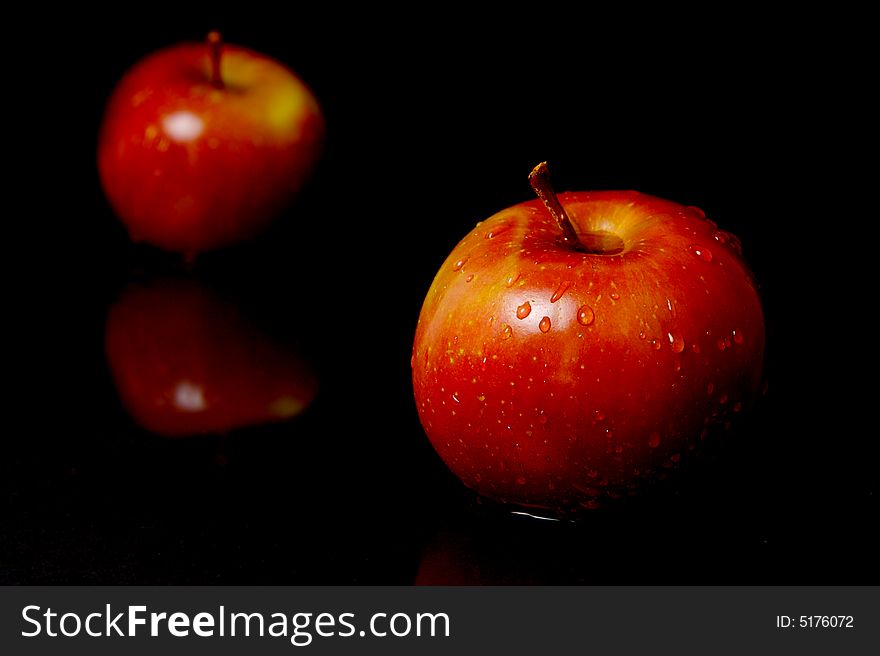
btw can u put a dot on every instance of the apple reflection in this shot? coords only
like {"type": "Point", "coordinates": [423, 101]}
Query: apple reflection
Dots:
{"type": "Point", "coordinates": [467, 553]}
{"type": "Point", "coordinates": [186, 362]}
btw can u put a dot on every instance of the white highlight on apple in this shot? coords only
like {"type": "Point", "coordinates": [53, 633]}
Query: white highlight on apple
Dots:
{"type": "Point", "coordinates": [183, 126]}
{"type": "Point", "coordinates": [189, 397]}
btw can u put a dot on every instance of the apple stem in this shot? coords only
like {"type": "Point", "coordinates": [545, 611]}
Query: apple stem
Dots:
{"type": "Point", "coordinates": [215, 43]}
{"type": "Point", "coordinates": [540, 181]}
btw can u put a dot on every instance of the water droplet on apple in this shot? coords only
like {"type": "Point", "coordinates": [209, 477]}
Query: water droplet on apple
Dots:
{"type": "Point", "coordinates": [511, 279]}
{"type": "Point", "coordinates": [455, 397]}
{"type": "Point", "coordinates": [614, 296]}
{"type": "Point", "coordinates": [599, 415]}
{"type": "Point", "coordinates": [677, 342]}
{"type": "Point", "coordinates": [654, 440]}
{"type": "Point", "coordinates": [723, 398]}
{"type": "Point", "coordinates": [542, 418]}
{"type": "Point", "coordinates": [729, 239]}
{"type": "Point", "coordinates": [520, 480]}
{"type": "Point", "coordinates": [738, 336]}
{"type": "Point", "coordinates": [737, 406]}
{"type": "Point", "coordinates": [642, 334]}
{"type": "Point", "coordinates": [459, 264]}
{"type": "Point", "coordinates": [696, 210]}
{"type": "Point", "coordinates": [469, 278]}
{"type": "Point", "coordinates": [523, 310]}
{"type": "Point", "coordinates": [722, 344]}
{"type": "Point", "coordinates": [494, 232]}
{"type": "Point", "coordinates": [586, 316]}
{"type": "Point", "coordinates": [655, 344]}
{"type": "Point", "coordinates": [544, 326]}
{"type": "Point", "coordinates": [701, 252]}
{"type": "Point", "coordinates": [675, 457]}
{"type": "Point", "coordinates": [506, 332]}
{"type": "Point", "coordinates": [560, 291]}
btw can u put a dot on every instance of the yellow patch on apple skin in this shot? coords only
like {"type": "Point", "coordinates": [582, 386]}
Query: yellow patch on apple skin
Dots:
{"type": "Point", "coordinates": [141, 97]}
{"type": "Point", "coordinates": [278, 97]}
{"type": "Point", "coordinates": [150, 134]}
{"type": "Point", "coordinates": [284, 111]}
{"type": "Point", "coordinates": [286, 407]}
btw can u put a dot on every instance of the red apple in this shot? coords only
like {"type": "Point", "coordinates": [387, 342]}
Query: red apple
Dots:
{"type": "Point", "coordinates": [185, 362]}
{"type": "Point", "coordinates": [202, 144]}
{"type": "Point", "coordinates": [573, 351]}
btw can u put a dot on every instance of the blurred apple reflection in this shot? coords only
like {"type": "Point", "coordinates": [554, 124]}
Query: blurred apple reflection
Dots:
{"type": "Point", "coordinates": [479, 542]}
{"type": "Point", "coordinates": [186, 362]}
{"type": "Point", "coordinates": [462, 554]}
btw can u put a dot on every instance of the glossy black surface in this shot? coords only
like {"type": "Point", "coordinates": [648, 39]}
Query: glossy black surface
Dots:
{"type": "Point", "coordinates": [429, 133]}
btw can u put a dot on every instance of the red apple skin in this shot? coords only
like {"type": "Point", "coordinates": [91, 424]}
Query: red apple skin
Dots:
{"type": "Point", "coordinates": [190, 167]}
{"type": "Point", "coordinates": [553, 378]}
{"type": "Point", "coordinates": [186, 363]}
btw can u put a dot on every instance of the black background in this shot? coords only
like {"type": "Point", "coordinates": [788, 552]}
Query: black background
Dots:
{"type": "Point", "coordinates": [434, 120]}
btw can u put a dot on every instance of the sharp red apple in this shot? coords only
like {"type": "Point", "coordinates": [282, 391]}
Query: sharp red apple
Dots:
{"type": "Point", "coordinates": [571, 351]}
{"type": "Point", "coordinates": [202, 144]}
{"type": "Point", "coordinates": [185, 362]}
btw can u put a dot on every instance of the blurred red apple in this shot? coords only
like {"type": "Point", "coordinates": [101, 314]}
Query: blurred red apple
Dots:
{"type": "Point", "coordinates": [573, 351]}
{"type": "Point", "coordinates": [202, 144]}
{"type": "Point", "coordinates": [185, 362]}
